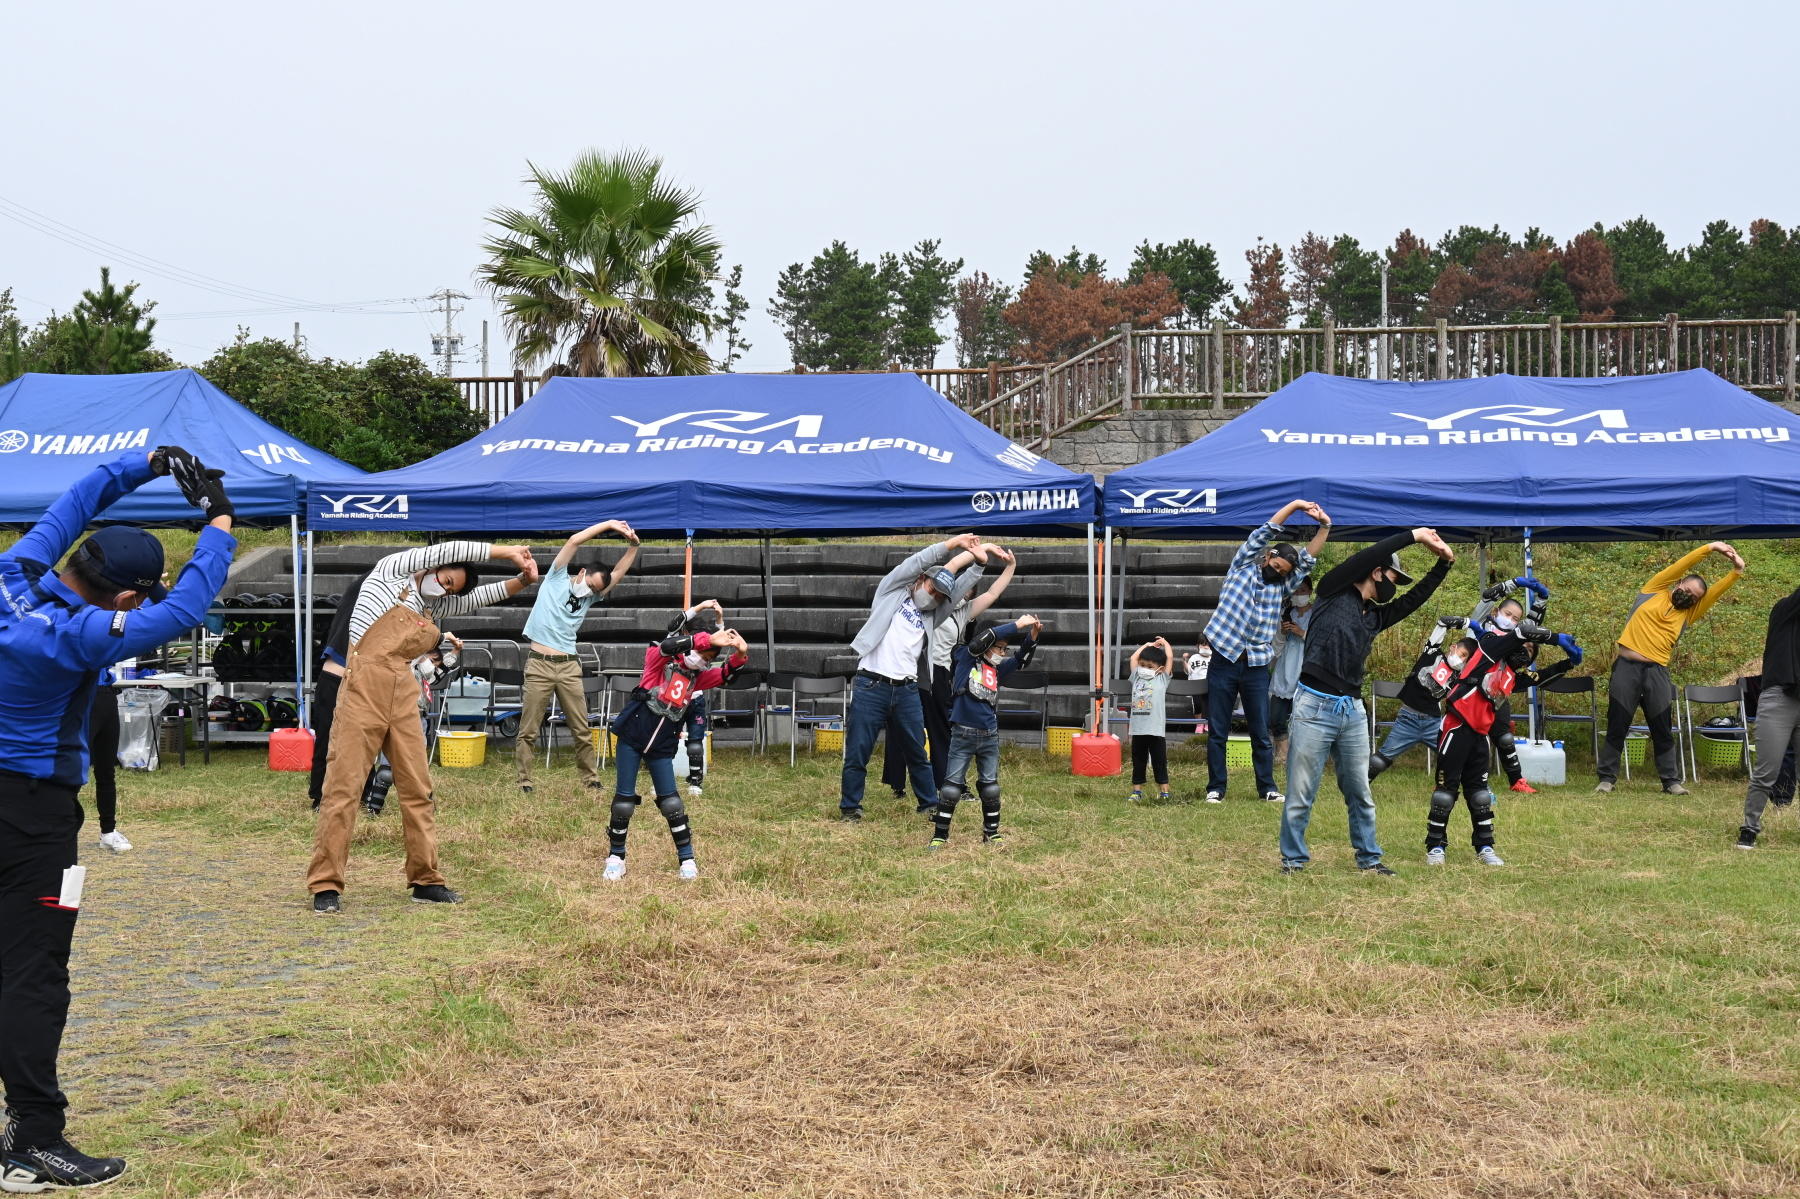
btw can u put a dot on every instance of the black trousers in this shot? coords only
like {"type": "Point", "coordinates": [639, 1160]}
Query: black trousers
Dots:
{"type": "Point", "coordinates": [103, 750]}
{"type": "Point", "coordinates": [40, 823]}
{"type": "Point", "coordinates": [1462, 765]}
{"type": "Point", "coordinates": [936, 703]}
{"type": "Point", "coordinates": [324, 707]}
{"type": "Point", "coordinates": [1149, 752]}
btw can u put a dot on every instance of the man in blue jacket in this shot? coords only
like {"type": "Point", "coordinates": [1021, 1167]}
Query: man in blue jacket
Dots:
{"type": "Point", "coordinates": [58, 630]}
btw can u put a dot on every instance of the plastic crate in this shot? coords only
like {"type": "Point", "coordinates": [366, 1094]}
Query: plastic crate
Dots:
{"type": "Point", "coordinates": [828, 740]}
{"type": "Point", "coordinates": [1062, 741]}
{"type": "Point", "coordinates": [1237, 752]}
{"type": "Point", "coordinates": [1634, 748]}
{"type": "Point", "coordinates": [1715, 751]}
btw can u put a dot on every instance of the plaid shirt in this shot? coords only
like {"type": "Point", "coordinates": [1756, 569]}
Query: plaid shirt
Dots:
{"type": "Point", "coordinates": [1249, 611]}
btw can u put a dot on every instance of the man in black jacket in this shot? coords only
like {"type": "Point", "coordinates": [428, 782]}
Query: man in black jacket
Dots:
{"type": "Point", "coordinates": [1355, 600]}
{"type": "Point", "coordinates": [1777, 713]}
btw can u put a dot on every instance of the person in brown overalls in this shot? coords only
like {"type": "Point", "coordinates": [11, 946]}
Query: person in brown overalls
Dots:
{"type": "Point", "coordinates": [378, 711]}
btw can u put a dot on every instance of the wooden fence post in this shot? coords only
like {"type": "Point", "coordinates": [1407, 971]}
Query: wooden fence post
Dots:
{"type": "Point", "coordinates": [1330, 346]}
{"type": "Point", "coordinates": [1129, 361]}
{"type": "Point", "coordinates": [1218, 367]}
{"type": "Point", "coordinates": [1043, 437]}
{"type": "Point", "coordinates": [1674, 323]}
{"type": "Point", "coordinates": [1556, 347]}
{"type": "Point", "coordinates": [1443, 348]}
{"type": "Point", "coordinates": [1787, 365]}
{"type": "Point", "coordinates": [993, 379]}
{"type": "Point", "coordinates": [518, 396]}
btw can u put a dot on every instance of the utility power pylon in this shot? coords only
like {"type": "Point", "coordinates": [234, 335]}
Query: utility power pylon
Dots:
{"type": "Point", "coordinates": [447, 346]}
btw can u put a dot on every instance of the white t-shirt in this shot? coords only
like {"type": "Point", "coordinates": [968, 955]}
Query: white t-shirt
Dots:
{"type": "Point", "coordinates": [897, 656]}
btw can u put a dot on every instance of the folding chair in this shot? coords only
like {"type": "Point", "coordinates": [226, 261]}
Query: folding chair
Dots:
{"type": "Point", "coordinates": [1032, 714]}
{"type": "Point", "coordinates": [1118, 702]}
{"type": "Point", "coordinates": [1733, 696]}
{"type": "Point", "coordinates": [1573, 686]}
{"type": "Point", "coordinates": [1379, 690]}
{"type": "Point", "coordinates": [593, 692]}
{"type": "Point", "coordinates": [828, 690]}
{"type": "Point", "coordinates": [745, 682]}
{"type": "Point", "coordinates": [1194, 690]}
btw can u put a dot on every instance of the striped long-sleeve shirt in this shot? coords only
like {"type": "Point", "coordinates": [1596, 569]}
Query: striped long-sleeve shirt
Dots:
{"type": "Point", "coordinates": [381, 587]}
{"type": "Point", "coordinates": [1249, 610]}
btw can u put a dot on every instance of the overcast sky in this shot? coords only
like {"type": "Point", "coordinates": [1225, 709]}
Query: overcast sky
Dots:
{"type": "Point", "coordinates": [334, 152]}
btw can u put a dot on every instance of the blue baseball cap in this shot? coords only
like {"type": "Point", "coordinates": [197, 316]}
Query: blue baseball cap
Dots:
{"type": "Point", "coordinates": [131, 559]}
{"type": "Point", "coordinates": [942, 579]}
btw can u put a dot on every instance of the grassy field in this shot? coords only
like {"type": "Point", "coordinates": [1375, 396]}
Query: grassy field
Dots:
{"type": "Point", "coordinates": [1123, 1001]}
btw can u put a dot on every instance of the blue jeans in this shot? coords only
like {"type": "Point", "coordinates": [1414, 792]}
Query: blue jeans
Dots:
{"type": "Point", "coordinates": [1321, 729]}
{"type": "Point", "coordinates": [662, 771]}
{"type": "Point", "coordinates": [872, 701]}
{"type": "Point", "coordinates": [1226, 682]}
{"type": "Point", "coordinates": [1412, 727]}
{"type": "Point", "coordinates": [981, 745]}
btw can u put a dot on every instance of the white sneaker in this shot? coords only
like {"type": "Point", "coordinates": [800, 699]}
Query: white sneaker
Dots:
{"type": "Point", "coordinates": [689, 870]}
{"type": "Point", "coordinates": [114, 841]}
{"type": "Point", "coordinates": [1274, 797]}
{"type": "Point", "coordinates": [615, 868]}
{"type": "Point", "coordinates": [1487, 857]}
{"type": "Point", "coordinates": [1434, 857]}
{"type": "Point", "coordinates": [1213, 797]}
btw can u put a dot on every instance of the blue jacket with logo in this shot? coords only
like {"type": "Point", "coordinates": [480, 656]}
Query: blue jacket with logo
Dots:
{"type": "Point", "coordinates": [53, 644]}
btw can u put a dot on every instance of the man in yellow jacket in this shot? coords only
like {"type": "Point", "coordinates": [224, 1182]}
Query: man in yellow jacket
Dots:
{"type": "Point", "coordinates": [1670, 601]}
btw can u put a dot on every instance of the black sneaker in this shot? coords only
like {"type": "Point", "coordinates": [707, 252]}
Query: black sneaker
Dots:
{"type": "Point", "coordinates": [373, 809]}
{"type": "Point", "coordinates": [317, 800]}
{"type": "Point", "coordinates": [325, 903]}
{"type": "Point", "coordinates": [1746, 838]}
{"type": "Point", "coordinates": [1380, 868]}
{"type": "Point", "coordinates": [525, 788]}
{"type": "Point", "coordinates": [1292, 868]}
{"type": "Point", "coordinates": [55, 1167]}
{"type": "Point", "coordinates": [849, 815]}
{"type": "Point", "coordinates": [435, 893]}
{"type": "Point", "coordinates": [927, 810]}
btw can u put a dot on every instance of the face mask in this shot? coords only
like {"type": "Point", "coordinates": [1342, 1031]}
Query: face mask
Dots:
{"type": "Point", "coordinates": [580, 589]}
{"type": "Point", "coordinates": [423, 669]}
{"type": "Point", "coordinates": [996, 656]}
{"type": "Point", "coordinates": [1504, 623]}
{"type": "Point", "coordinates": [1146, 672]}
{"type": "Point", "coordinates": [430, 588]}
{"type": "Point", "coordinates": [692, 660]}
{"type": "Point", "coordinates": [1271, 575]}
{"type": "Point", "coordinates": [1456, 661]}
{"type": "Point", "coordinates": [1385, 590]}
{"type": "Point", "coordinates": [1683, 599]}
{"type": "Point", "coordinates": [1301, 602]}
{"type": "Point", "coordinates": [924, 598]}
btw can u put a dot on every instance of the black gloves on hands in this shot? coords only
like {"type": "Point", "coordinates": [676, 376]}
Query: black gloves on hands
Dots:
{"type": "Point", "coordinates": [199, 486]}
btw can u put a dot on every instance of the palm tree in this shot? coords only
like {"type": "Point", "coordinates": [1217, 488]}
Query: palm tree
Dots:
{"type": "Point", "coordinates": [609, 273]}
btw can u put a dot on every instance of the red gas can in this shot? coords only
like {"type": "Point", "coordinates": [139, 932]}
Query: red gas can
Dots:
{"type": "Point", "coordinates": [1094, 756]}
{"type": "Point", "coordinates": [291, 749]}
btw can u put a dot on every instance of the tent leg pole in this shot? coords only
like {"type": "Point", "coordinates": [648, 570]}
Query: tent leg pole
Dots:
{"type": "Point", "coordinates": [1093, 650]}
{"type": "Point", "coordinates": [768, 577]}
{"type": "Point", "coordinates": [306, 651]}
{"type": "Point", "coordinates": [299, 618]}
{"type": "Point", "coordinates": [1106, 647]}
{"type": "Point", "coordinates": [1117, 607]}
{"type": "Point", "coordinates": [687, 574]}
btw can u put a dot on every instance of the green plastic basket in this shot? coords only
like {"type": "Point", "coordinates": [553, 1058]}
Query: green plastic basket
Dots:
{"type": "Point", "coordinates": [1237, 751]}
{"type": "Point", "coordinates": [1713, 751]}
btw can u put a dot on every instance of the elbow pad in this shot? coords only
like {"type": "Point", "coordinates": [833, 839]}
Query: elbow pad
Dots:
{"type": "Point", "coordinates": [1532, 631]}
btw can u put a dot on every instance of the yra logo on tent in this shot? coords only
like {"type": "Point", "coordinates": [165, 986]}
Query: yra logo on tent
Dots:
{"type": "Point", "coordinates": [727, 420]}
{"type": "Point", "coordinates": [367, 507]}
{"type": "Point", "coordinates": [1171, 501]}
{"type": "Point", "coordinates": [1522, 414]}
{"type": "Point", "coordinates": [270, 453]}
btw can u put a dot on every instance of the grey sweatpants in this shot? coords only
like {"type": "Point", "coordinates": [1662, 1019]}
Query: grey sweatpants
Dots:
{"type": "Point", "coordinates": [1777, 729]}
{"type": "Point", "coordinates": [1635, 684]}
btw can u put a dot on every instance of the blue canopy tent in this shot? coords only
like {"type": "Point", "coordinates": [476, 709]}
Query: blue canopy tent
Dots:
{"type": "Point", "coordinates": [763, 455]}
{"type": "Point", "coordinates": [1504, 458]}
{"type": "Point", "coordinates": [56, 428]}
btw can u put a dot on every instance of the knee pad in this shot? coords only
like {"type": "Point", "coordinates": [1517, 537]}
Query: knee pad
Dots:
{"type": "Point", "coordinates": [989, 792]}
{"type": "Point", "coordinates": [1377, 764]}
{"type": "Point", "coordinates": [1441, 803]}
{"type": "Point", "coordinates": [949, 795]}
{"type": "Point", "coordinates": [1481, 805]}
{"type": "Point", "coordinates": [673, 810]}
{"type": "Point", "coordinates": [622, 808]}
{"type": "Point", "coordinates": [1503, 740]}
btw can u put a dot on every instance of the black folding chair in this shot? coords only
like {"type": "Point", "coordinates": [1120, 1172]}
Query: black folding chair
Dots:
{"type": "Point", "coordinates": [1194, 690]}
{"type": "Point", "coordinates": [1031, 714]}
{"type": "Point", "coordinates": [1574, 686]}
{"type": "Point", "coordinates": [749, 683]}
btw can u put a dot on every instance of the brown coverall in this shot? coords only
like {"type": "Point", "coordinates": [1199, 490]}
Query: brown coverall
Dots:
{"type": "Point", "coordinates": [377, 710]}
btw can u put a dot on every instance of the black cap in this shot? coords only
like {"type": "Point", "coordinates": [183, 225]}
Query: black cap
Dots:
{"type": "Point", "coordinates": [131, 559]}
{"type": "Point", "coordinates": [1286, 552]}
{"type": "Point", "coordinates": [1400, 575]}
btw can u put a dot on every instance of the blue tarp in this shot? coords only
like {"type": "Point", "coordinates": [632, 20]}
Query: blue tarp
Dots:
{"type": "Point", "coordinates": [55, 428]}
{"type": "Point", "coordinates": [1653, 457]}
{"type": "Point", "coordinates": [816, 454]}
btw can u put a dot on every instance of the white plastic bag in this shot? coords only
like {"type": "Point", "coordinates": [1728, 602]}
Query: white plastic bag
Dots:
{"type": "Point", "coordinates": [140, 711]}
